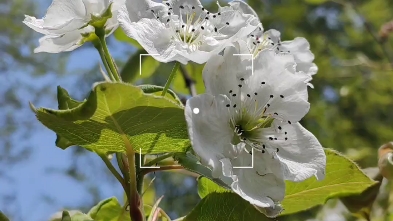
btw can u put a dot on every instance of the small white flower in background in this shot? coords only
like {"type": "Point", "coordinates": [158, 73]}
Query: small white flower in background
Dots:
{"type": "Point", "coordinates": [244, 115]}
{"type": "Point", "coordinates": [183, 30]}
{"type": "Point", "coordinates": [68, 23]}
{"type": "Point", "coordinates": [260, 40]}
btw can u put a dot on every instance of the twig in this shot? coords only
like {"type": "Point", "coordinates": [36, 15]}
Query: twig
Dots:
{"type": "Point", "coordinates": [190, 83]}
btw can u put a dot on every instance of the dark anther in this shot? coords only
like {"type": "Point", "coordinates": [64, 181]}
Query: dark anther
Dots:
{"type": "Point", "coordinates": [272, 43]}
{"type": "Point", "coordinates": [169, 13]}
{"type": "Point", "coordinates": [279, 127]}
{"type": "Point", "coordinates": [242, 79]}
{"type": "Point", "coordinates": [240, 85]}
{"type": "Point", "coordinates": [263, 146]}
{"type": "Point", "coordinates": [167, 4]}
{"type": "Point", "coordinates": [168, 20]}
{"type": "Point", "coordinates": [228, 105]}
{"type": "Point", "coordinates": [268, 105]}
{"type": "Point", "coordinates": [227, 23]}
{"type": "Point", "coordinates": [275, 138]}
{"type": "Point", "coordinates": [234, 95]}
{"type": "Point", "coordinates": [286, 133]}
{"type": "Point", "coordinates": [254, 43]}
{"type": "Point", "coordinates": [256, 93]}
{"type": "Point", "coordinates": [193, 7]}
{"type": "Point", "coordinates": [263, 151]}
{"type": "Point", "coordinates": [193, 30]}
{"type": "Point", "coordinates": [181, 6]}
{"type": "Point", "coordinates": [275, 113]}
{"type": "Point", "coordinates": [203, 28]}
{"type": "Point", "coordinates": [214, 16]}
{"type": "Point", "coordinates": [271, 96]}
{"type": "Point", "coordinates": [182, 26]}
{"type": "Point", "coordinates": [286, 138]}
{"type": "Point", "coordinates": [270, 138]}
{"type": "Point", "coordinates": [207, 18]}
{"type": "Point", "coordinates": [152, 11]}
{"type": "Point", "coordinates": [252, 35]}
{"type": "Point", "coordinates": [282, 96]}
{"type": "Point", "coordinates": [250, 152]}
{"type": "Point", "coordinates": [278, 149]}
{"type": "Point", "coordinates": [215, 29]}
{"type": "Point", "coordinates": [262, 82]}
{"type": "Point", "coordinates": [230, 91]}
{"type": "Point", "coordinates": [219, 13]}
{"type": "Point", "coordinates": [289, 122]}
{"type": "Point", "coordinates": [203, 9]}
{"type": "Point", "coordinates": [248, 95]}
{"type": "Point", "coordinates": [207, 12]}
{"type": "Point", "coordinates": [234, 105]}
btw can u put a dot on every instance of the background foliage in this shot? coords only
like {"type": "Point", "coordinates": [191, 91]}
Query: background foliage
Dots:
{"type": "Point", "coordinates": [351, 107]}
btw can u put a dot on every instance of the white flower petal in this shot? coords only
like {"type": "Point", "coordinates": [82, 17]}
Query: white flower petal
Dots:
{"type": "Point", "coordinates": [301, 155]}
{"type": "Point", "coordinates": [138, 9]}
{"type": "Point", "coordinates": [153, 37]}
{"type": "Point", "coordinates": [220, 73]}
{"type": "Point", "coordinates": [288, 98]}
{"type": "Point", "coordinates": [263, 185]}
{"type": "Point", "coordinates": [209, 129]}
{"type": "Point", "coordinates": [243, 7]}
{"type": "Point", "coordinates": [65, 42]}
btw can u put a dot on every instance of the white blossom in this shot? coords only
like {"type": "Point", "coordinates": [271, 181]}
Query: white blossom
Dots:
{"type": "Point", "coordinates": [67, 23]}
{"type": "Point", "coordinates": [251, 108]}
{"type": "Point", "coordinates": [260, 40]}
{"type": "Point", "coordinates": [183, 30]}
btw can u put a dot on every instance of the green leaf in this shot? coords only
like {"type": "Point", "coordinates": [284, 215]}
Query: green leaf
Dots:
{"type": "Point", "coordinates": [3, 217]}
{"type": "Point", "coordinates": [76, 216]}
{"type": "Point", "coordinates": [343, 178]}
{"type": "Point", "coordinates": [131, 70]}
{"type": "Point", "coordinates": [156, 90]}
{"type": "Point", "coordinates": [190, 162]}
{"type": "Point", "coordinates": [109, 210]}
{"type": "Point", "coordinates": [225, 207]}
{"type": "Point", "coordinates": [206, 186]}
{"type": "Point", "coordinates": [360, 205]}
{"type": "Point", "coordinates": [116, 116]}
{"type": "Point", "coordinates": [316, 2]}
{"type": "Point", "coordinates": [121, 36]}
{"type": "Point", "coordinates": [65, 102]}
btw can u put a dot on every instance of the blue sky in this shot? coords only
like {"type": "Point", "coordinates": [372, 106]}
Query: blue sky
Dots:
{"type": "Point", "coordinates": [34, 178]}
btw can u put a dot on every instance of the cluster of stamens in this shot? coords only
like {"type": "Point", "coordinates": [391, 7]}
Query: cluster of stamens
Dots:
{"type": "Point", "coordinates": [246, 115]}
{"type": "Point", "coordinates": [259, 42]}
{"type": "Point", "coordinates": [191, 25]}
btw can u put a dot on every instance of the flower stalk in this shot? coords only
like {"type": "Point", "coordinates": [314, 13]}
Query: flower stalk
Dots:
{"type": "Point", "coordinates": [100, 32]}
{"type": "Point", "coordinates": [170, 79]}
{"type": "Point", "coordinates": [98, 46]}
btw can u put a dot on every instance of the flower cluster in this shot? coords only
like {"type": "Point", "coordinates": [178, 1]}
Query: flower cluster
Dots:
{"type": "Point", "coordinates": [247, 125]}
